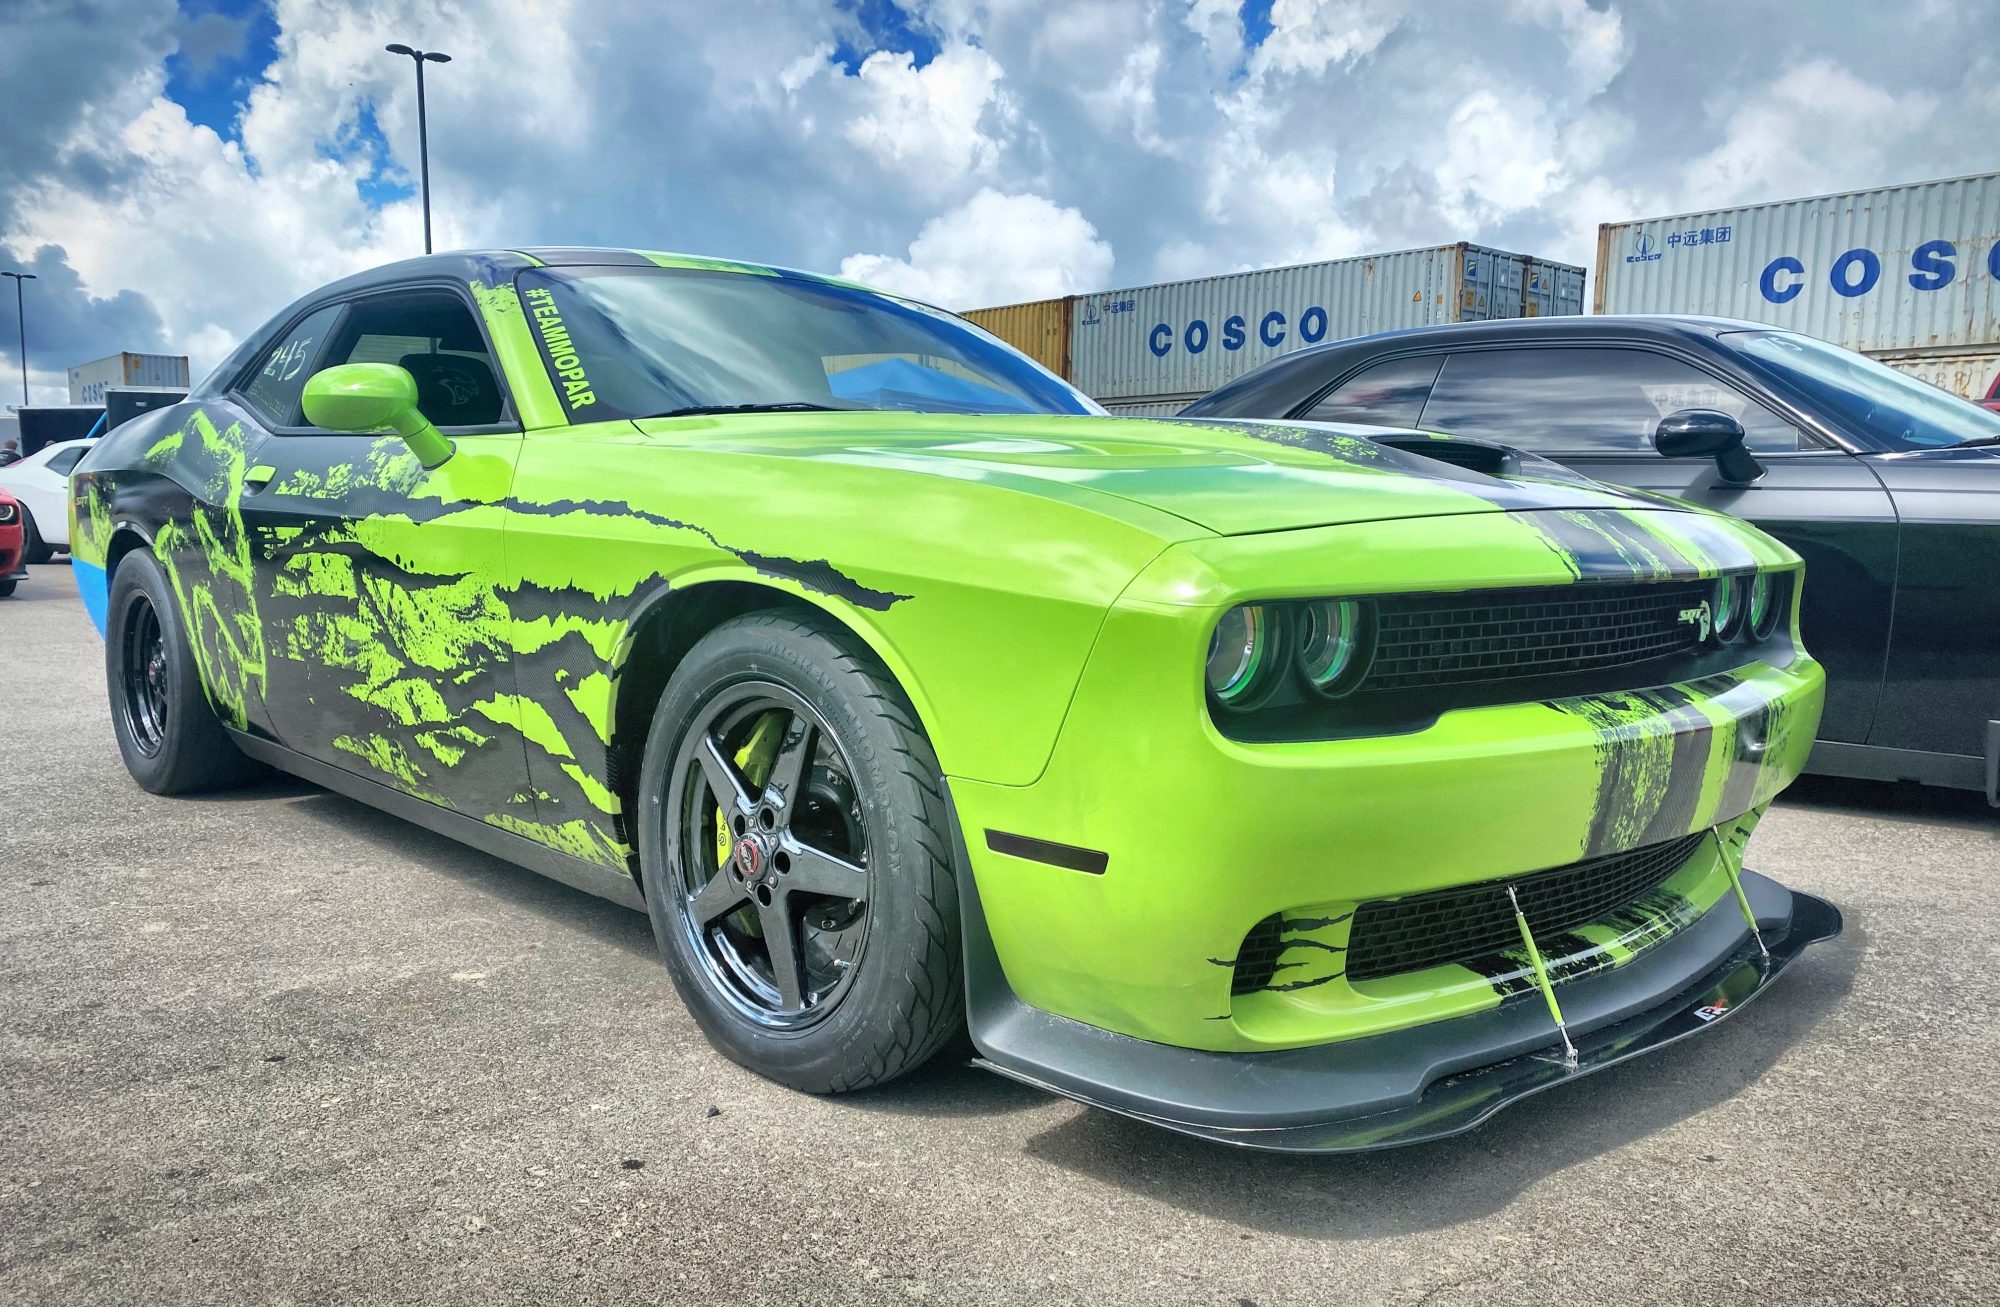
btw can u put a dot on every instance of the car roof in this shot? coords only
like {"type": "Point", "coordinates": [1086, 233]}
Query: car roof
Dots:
{"type": "Point", "coordinates": [493, 265]}
{"type": "Point", "coordinates": [1570, 324]}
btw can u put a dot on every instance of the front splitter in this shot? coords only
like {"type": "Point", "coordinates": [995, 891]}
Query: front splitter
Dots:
{"type": "Point", "coordinates": [1429, 1082]}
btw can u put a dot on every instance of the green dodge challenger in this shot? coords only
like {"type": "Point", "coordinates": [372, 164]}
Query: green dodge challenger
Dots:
{"type": "Point", "coordinates": [1292, 785]}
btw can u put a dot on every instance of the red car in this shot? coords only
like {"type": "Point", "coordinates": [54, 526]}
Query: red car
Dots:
{"type": "Point", "coordinates": [12, 546]}
{"type": "Point", "coordinates": [1992, 399]}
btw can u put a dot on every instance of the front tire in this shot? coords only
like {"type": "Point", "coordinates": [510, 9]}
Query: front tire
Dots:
{"type": "Point", "coordinates": [167, 733]}
{"type": "Point", "coordinates": [34, 548]}
{"type": "Point", "coordinates": [796, 855]}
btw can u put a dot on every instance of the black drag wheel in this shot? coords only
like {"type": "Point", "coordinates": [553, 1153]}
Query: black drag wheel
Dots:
{"type": "Point", "coordinates": [35, 549]}
{"type": "Point", "coordinates": [7, 586]}
{"type": "Point", "coordinates": [167, 733]}
{"type": "Point", "coordinates": [793, 837]}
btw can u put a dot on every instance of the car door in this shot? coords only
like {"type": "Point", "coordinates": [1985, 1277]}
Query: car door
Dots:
{"type": "Point", "coordinates": [1942, 687]}
{"type": "Point", "coordinates": [379, 582]}
{"type": "Point", "coordinates": [1595, 409]}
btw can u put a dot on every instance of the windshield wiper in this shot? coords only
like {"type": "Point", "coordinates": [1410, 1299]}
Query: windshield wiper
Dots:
{"type": "Point", "coordinates": [1975, 442]}
{"type": "Point", "coordinates": [703, 410]}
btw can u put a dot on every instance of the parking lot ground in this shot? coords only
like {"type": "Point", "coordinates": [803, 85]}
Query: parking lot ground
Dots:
{"type": "Point", "coordinates": [275, 1047]}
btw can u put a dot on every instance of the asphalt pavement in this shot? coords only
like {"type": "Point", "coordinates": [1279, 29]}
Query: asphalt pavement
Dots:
{"type": "Point", "coordinates": [275, 1047]}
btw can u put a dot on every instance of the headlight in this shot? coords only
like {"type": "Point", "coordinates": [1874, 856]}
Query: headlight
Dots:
{"type": "Point", "coordinates": [1763, 606]}
{"type": "Point", "coordinates": [1731, 598]}
{"type": "Point", "coordinates": [1239, 654]}
{"type": "Point", "coordinates": [6, 512]}
{"type": "Point", "coordinates": [1330, 645]}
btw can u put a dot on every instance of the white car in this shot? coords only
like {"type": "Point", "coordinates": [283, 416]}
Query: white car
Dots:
{"type": "Point", "coordinates": [41, 482]}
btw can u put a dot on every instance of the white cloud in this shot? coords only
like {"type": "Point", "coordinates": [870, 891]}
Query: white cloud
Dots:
{"type": "Point", "coordinates": [1817, 127]}
{"type": "Point", "coordinates": [1499, 157]}
{"type": "Point", "coordinates": [928, 122]}
{"type": "Point", "coordinates": [993, 249]}
{"type": "Point", "coordinates": [1310, 36]}
{"type": "Point", "coordinates": [1595, 37]}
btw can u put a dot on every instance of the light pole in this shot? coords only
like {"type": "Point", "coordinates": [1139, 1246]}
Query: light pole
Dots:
{"type": "Point", "coordinates": [422, 57]}
{"type": "Point", "coordinates": [21, 320]}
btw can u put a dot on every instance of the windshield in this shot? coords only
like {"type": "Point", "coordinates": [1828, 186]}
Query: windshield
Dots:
{"type": "Point", "coordinates": [646, 342]}
{"type": "Point", "coordinates": [1896, 410]}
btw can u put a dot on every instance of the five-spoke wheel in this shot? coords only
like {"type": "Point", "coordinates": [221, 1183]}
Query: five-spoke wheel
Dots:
{"type": "Point", "coordinates": [797, 857]}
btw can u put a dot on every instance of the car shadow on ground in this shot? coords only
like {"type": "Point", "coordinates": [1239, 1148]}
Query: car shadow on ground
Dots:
{"type": "Point", "coordinates": [519, 887]}
{"type": "Point", "coordinates": [1433, 1186]}
{"type": "Point", "coordinates": [1903, 800]}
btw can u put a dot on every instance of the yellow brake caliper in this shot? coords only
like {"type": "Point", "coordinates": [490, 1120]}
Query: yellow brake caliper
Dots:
{"type": "Point", "coordinates": [754, 761]}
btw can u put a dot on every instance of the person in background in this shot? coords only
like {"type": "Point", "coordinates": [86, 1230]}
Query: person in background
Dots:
{"type": "Point", "coordinates": [10, 452]}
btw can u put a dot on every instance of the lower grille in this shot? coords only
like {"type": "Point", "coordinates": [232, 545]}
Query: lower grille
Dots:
{"type": "Point", "coordinates": [1393, 936]}
{"type": "Point", "coordinates": [1424, 641]}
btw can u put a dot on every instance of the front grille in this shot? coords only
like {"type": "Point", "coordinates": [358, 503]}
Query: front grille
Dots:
{"type": "Point", "coordinates": [1423, 641]}
{"type": "Point", "coordinates": [1393, 936]}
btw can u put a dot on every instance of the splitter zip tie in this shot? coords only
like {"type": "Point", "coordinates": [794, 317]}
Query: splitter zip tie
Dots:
{"type": "Point", "coordinates": [1542, 977]}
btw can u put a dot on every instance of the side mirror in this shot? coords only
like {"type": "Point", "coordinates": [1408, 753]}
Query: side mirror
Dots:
{"type": "Point", "coordinates": [1707, 433]}
{"type": "Point", "coordinates": [374, 397]}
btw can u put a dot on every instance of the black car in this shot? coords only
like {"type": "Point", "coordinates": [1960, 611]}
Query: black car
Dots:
{"type": "Point", "coordinates": [1888, 487]}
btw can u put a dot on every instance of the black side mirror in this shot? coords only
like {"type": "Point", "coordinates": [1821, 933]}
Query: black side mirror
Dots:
{"type": "Point", "coordinates": [1707, 433]}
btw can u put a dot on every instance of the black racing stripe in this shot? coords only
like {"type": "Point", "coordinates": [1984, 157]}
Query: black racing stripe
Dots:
{"type": "Point", "coordinates": [1686, 769]}
{"type": "Point", "coordinates": [1067, 856]}
{"type": "Point", "coordinates": [818, 575]}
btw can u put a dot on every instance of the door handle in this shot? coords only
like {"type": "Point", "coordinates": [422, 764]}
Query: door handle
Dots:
{"type": "Point", "coordinates": [258, 477]}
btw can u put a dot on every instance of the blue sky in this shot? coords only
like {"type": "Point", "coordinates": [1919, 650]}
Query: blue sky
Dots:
{"type": "Point", "coordinates": [176, 172]}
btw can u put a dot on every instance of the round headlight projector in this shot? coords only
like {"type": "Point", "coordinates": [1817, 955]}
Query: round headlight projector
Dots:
{"type": "Point", "coordinates": [1763, 606]}
{"type": "Point", "coordinates": [1330, 645]}
{"type": "Point", "coordinates": [1238, 654]}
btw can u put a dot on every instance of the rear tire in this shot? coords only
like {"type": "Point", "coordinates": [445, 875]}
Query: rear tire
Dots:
{"type": "Point", "coordinates": [167, 733]}
{"type": "Point", "coordinates": [809, 916]}
{"type": "Point", "coordinates": [34, 548]}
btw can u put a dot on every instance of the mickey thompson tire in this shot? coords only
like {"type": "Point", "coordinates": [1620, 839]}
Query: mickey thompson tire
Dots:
{"type": "Point", "coordinates": [167, 733]}
{"type": "Point", "coordinates": [796, 854]}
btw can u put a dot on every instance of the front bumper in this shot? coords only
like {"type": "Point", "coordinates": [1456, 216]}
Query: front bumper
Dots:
{"type": "Point", "coordinates": [1410, 1085]}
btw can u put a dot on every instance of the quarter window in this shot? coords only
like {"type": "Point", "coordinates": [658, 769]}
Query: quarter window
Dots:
{"type": "Point", "coordinates": [432, 336]}
{"type": "Point", "coordinates": [1585, 401]}
{"type": "Point", "coordinates": [273, 388]}
{"type": "Point", "coordinates": [1390, 394]}
{"type": "Point", "coordinates": [62, 461]}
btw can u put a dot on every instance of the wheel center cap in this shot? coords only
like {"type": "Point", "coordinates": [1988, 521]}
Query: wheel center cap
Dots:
{"type": "Point", "coordinates": [749, 858]}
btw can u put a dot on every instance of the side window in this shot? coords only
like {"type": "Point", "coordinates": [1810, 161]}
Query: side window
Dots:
{"type": "Point", "coordinates": [273, 387]}
{"type": "Point", "coordinates": [1389, 394]}
{"type": "Point", "coordinates": [61, 462]}
{"type": "Point", "coordinates": [430, 334]}
{"type": "Point", "coordinates": [1585, 401]}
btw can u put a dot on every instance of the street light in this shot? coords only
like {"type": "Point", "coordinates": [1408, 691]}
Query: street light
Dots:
{"type": "Point", "coordinates": [423, 126]}
{"type": "Point", "coordinates": [21, 321]}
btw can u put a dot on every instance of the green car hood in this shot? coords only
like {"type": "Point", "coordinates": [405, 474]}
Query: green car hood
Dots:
{"type": "Point", "coordinates": [1231, 478]}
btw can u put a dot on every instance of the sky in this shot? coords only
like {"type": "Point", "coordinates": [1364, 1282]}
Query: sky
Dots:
{"type": "Point", "coordinates": [175, 173]}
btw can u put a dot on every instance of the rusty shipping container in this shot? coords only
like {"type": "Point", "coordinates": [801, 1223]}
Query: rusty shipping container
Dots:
{"type": "Point", "coordinates": [1039, 329]}
{"type": "Point", "coordinates": [1907, 274]}
{"type": "Point", "coordinates": [1154, 348]}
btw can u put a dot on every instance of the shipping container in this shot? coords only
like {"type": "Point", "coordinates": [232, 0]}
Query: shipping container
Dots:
{"type": "Point", "coordinates": [1039, 329]}
{"type": "Point", "coordinates": [88, 381]}
{"type": "Point", "coordinates": [1909, 274]}
{"type": "Point", "coordinates": [1180, 340]}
